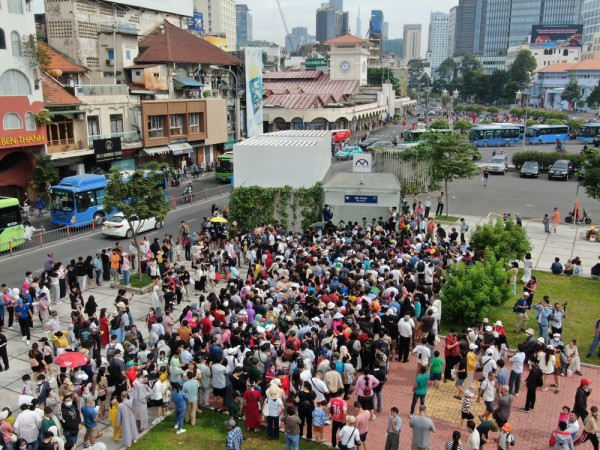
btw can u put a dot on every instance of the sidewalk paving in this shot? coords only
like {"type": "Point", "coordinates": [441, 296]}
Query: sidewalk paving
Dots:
{"type": "Point", "coordinates": [531, 430]}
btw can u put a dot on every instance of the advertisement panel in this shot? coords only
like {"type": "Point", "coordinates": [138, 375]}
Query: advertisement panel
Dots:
{"type": "Point", "coordinates": [377, 22]}
{"type": "Point", "coordinates": [254, 91]}
{"type": "Point", "coordinates": [108, 149]}
{"type": "Point", "coordinates": [179, 7]}
{"type": "Point", "coordinates": [196, 23]}
{"type": "Point", "coordinates": [557, 36]}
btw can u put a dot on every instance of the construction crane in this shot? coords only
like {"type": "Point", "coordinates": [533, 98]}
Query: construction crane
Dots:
{"type": "Point", "coordinates": [287, 30]}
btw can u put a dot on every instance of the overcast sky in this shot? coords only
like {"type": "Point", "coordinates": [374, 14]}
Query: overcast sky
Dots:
{"type": "Point", "coordinates": [267, 22]}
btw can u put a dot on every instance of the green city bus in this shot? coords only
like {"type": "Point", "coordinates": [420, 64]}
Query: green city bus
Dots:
{"type": "Point", "coordinates": [420, 136]}
{"type": "Point", "coordinates": [224, 168]}
{"type": "Point", "coordinates": [11, 224]}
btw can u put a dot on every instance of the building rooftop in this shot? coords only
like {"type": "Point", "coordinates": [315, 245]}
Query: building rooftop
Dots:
{"type": "Point", "coordinates": [60, 61]}
{"type": "Point", "coordinates": [55, 94]}
{"type": "Point", "coordinates": [347, 39]}
{"type": "Point", "coordinates": [589, 64]}
{"type": "Point", "coordinates": [369, 182]}
{"type": "Point", "coordinates": [288, 138]}
{"type": "Point", "coordinates": [169, 43]}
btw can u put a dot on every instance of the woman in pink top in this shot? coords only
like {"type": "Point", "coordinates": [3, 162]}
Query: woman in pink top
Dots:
{"type": "Point", "coordinates": [362, 423]}
{"type": "Point", "coordinates": [364, 390]}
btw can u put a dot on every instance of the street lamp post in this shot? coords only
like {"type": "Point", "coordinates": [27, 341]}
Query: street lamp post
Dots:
{"type": "Point", "coordinates": [426, 100]}
{"type": "Point", "coordinates": [236, 99]}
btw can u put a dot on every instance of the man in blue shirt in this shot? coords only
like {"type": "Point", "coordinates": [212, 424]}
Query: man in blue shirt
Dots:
{"type": "Point", "coordinates": [23, 311]}
{"type": "Point", "coordinates": [179, 400]}
{"type": "Point", "coordinates": [190, 388]}
{"type": "Point", "coordinates": [234, 438]}
{"type": "Point", "coordinates": [89, 413]}
{"type": "Point", "coordinates": [543, 315]}
{"type": "Point", "coordinates": [556, 267]}
{"type": "Point", "coordinates": [521, 307]}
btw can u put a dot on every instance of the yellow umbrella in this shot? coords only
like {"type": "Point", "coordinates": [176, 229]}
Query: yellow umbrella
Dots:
{"type": "Point", "coordinates": [218, 219]}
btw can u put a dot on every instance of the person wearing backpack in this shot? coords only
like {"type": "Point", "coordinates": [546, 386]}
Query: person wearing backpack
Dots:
{"type": "Point", "coordinates": [463, 229]}
{"type": "Point", "coordinates": [506, 439]}
{"type": "Point", "coordinates": [364, 390]}
{"type": "Point", "coordinates": [561, 438]}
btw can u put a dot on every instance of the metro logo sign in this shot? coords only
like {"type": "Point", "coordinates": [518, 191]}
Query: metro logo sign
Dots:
{"type": "Point", "coordinates": [361, 162]}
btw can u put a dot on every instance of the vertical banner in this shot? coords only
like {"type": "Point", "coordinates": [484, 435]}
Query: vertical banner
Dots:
{"type": "Point", "coordinates": [254, 91]}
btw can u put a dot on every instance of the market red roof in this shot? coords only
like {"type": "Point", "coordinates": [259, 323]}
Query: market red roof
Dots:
{"type": "Point", "coordinates": [347, 39]}
{"type": "Point", "coordinates": [55, 94]}
{"type": "Point", "coordinates": [181, 46]}
{"type": "Point", "coordinates": [60, 61]}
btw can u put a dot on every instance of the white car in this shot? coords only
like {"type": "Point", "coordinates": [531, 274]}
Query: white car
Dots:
{"type": "Point", "coordinates": [117, 226]}
{"type": "Point", "coordinates": [498, 164]}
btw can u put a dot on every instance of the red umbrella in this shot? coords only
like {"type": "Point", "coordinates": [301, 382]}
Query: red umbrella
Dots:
{"type": "Point", "coordinates": [71, 359]}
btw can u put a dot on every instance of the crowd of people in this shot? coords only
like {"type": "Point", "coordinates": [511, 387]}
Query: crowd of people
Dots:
{"type": "Point", "coordinates": [304, 341]}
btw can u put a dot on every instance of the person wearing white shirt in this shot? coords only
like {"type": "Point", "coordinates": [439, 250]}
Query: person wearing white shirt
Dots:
{"type": "Point", "coordinates": [488, 363]}
{"type": "Point", "coordinates": [319, 387]}
{"type": "Point", "coordinates": [474, 440]}
{"type": "Point", "coordinates": [487, 392]}
{"type": "Point", "coordinates": [514, 379]}
{"type": "Point", "coordinates": [423, 353]}
{"type": "Point", "coordinates": [405, 332]}
{"type": "Point", "coordinates": [27, 426]}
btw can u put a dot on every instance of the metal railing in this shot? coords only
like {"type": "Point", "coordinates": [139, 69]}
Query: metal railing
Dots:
{"type": "Point", "coordinates": [126, 136]}
{"type": "Point", "coordinates": [101, 89]}
{"type": "Point", "coordinates": [35, 238]}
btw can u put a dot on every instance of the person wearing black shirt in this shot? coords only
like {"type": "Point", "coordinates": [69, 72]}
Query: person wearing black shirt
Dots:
{"type": "Point", "coordinates": [3, 351]}
{"type": "Point", "coordinates": [184, 277]}
{"type": "Point", "coordinates": [105, 265]}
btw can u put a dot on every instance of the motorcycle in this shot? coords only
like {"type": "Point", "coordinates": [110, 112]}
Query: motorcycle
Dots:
{"type": "Point", "coordinates": [561, 148]}
{"type": "Point", "coordinates": [584, 218]}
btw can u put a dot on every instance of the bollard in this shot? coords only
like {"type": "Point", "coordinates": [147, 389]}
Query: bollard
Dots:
{"type": "Point", "coordinates": [174, 203]}
{"type": "Point", "coordinates": [220, 190]}
{"type": "Point", "coordinates": [93, 226]}
{"type": "Point", "coordinates": [68, 232]}
{"type": "Point", "coordinates": [205, 193]}
{"type": "Point", "coordinates": [10, 245]}
{"type": "Point", "coordinates": [41, 235]}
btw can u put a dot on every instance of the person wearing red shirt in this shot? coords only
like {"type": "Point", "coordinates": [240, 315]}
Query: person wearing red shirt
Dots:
{"type": "Point", "coordinates": [451, 353]}
{"type": "Point", "coordinates": [337, 410]}
{"type": "Point", "coordinates": [207, 326]}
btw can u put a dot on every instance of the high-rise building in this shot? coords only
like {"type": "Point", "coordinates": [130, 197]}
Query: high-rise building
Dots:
{"type": "Point", "coordinates": [358, 24]}
{"type": "Point", "coordinates": [395, 46]}
{"type": "Point", "coordinates": [437, 48]}
{"type": "Point", "coordinates": [385, 29]}
{"type": "Point", "coordinates": [376, 24]}
{"type": "Point", "coordinates": [412, 41]}
{"type": "Point", "coordinates": [590, 17]}
{"type": "Point", "coordinates": [297, 38]}
{"type": "Point", "coordinates": [244, 25]}
{"type": "Point", "coordinates": [468, 26]}
{"type": "Point", "coordinates": [219, 19]}
{"type": "Point", "coordinates": [338, 4]}
{"type": "Point", "coordinates": [331, 22]}
{"type": "Point", "coordinates": [452, 31]}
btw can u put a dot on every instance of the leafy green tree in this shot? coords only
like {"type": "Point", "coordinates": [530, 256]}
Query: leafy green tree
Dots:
{"type": "Point", "coordinates": [439, 124]}
{"type": "Point", "coordinates": [445, 100]}
{"type": "Point", "coordinates": [471, 292]}
{"type": "Point", "coordinates": [531, 122]}
{"type": "Point", "coordinates": [447, 69]}
{"type": "Point", "coordinates": [462, 125]}
{"type": "Point", "coordinates": [493, 110]}
{"type": "Point", "coordinates": [377, 75]}
{"type": "Point", "coordinates": [451, 159]}
{"type": "Point", "coordinates": [44, 176]}
{"type": "Point", "coordinates": [415, 69]}
{"type": "Point", "coordinates": [572, 92]}
{"type": "Point", "coordinates": [593, 100]}
{"type": "Point", "coordinates": [554, 122]}
{"type": "Point", "coordinates": [591, 178]}
{"type": "Point", "coordinates": [521, 69]}
{"type": "Point", "coordinates": [503, 240]}
{"type": "Point", "coordinates": [575, 124]}
{"type": "Point", "coordinates": [137, 198]}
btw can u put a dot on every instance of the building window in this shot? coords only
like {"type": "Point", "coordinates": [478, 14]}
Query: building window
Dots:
{"type": "Point", "coordinates": [15, 41]}
{"type": "Point", "coordinates": [176, 124]}
{"type": "Point", "coordinates": [15, 6]}
{"type": "Point", "coordinates": [156, 126]}
{"type": "Point", "coordinates": [14, 82]}
{"type": "Point", "coordinates": [30, 121]}
{"type": "Point", "coordinates": [127, 54]}
{"type": "Point", "coordinates": [12, 121]}
{"type": "Point", "coordinates": [194, 123]}
{"type": "Point", "coordinates": [116, 123]}
{"type": "Point", "coordinates": [93, 126]}
{"type": "Point", "coordinates": [2, 40]}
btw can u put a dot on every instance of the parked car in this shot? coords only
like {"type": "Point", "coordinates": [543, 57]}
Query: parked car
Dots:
{"type": "Point", "coordinates": [364, 144]}
{"type": "Point", "coordinates": [563, 168]}
{"type": "Point", "coordinates": [498, 164]}
{"type": "Point", "coordinates": [348, 151]}
{"type": "Point", "coordinates": [384, 144]}
{"type": "Point", "coordinates": [117, 226]}
{"type": "Point", "coordinates": [530, 169]}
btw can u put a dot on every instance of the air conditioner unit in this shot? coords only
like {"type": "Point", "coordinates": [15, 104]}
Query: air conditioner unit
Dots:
{"type": "Point", "coordinates": [78, 116]}
{"type": "Point", "coordinates": [110, 62]}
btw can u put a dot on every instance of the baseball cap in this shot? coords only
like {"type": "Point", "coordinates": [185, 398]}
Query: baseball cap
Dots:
{"type": "Point", "coordinates": [230, 423]}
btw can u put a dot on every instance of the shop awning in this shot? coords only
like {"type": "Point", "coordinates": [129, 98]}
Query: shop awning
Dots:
{"type": "Point", "coordinates": [157, 150]}
{"type": "Point", "coordinates": [71, 154]}
{"type": "Point", "coordinates": [181, 148]}
{"type": "Point", "coordinates": [189, 82]}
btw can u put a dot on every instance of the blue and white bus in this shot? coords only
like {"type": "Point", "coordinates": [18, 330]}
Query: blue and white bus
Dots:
{"type": "Point", "coordinates": [588, 132]}
{"type": "Point", "coordinates": [494, 135]}
{"type": "Point", "coordinates": [510, 125]}
{"type": "Point", "coordinates": [546, 134]}
{"type": "Point", "coordinates": [79, 200]}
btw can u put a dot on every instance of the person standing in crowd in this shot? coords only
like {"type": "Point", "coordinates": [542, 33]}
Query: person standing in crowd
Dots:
{"type": "Point", "coordinates": [555, 220]}
{"type": "Point", "coordinates": [291, 423]}
{"type": "Point", "coordinates": [392, 440]}
{"type": "Point", "coordinates": [234, 438]}
{"type": "Point", "coordinates": [422, 427]}
{"type": "Point", "coordinates": [441, 201]}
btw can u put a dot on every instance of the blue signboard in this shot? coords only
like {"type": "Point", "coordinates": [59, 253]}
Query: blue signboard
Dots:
{"type": "Point", "coordinates": [196, 23]}
{"type": "Point", "coordinates": [360, 199]}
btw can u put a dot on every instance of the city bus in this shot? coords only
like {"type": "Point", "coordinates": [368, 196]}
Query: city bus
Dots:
{"type": "Point", "coordinates": [224, 168]}
{"type": "Point", "coordinates": [510, 125]}
{"type": "Point", "coordinates": [11, 224]}
{"type": "Point", "coordinates": [494, 135]}
{"type": "Point", "coordinates": [546, 134]}
{"type": "Point", "coordinates": [588, 132]}
{"type": "Point", "coordinates": [420, 136]}
{"type": "Point", "coordinates": [79, 200]}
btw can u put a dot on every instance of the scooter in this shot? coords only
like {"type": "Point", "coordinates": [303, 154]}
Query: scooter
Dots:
{"type": "Point", "coordinates": [561, 148]}
{"type": "Point", "coordinates": [584, 218]}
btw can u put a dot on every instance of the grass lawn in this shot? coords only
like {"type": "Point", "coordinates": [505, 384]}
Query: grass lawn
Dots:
{"type": "Point", "coordinates": [582, 311]}
{"type": "Point", "coordinates": [135, 281]}
{"type": "Point", "coordinates": [209, 433]}
{"type": "Point", "coordinates": [444, 218]}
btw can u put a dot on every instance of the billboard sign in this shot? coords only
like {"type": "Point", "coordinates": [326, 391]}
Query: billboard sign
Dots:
{"type": "Point", "coordinates": [557, 36]}
{"type": "Point", "coordinates": [372, 199]}
{"type": "Point", "coordinates": [361, 162]}
{"type": "Point", "coordinates": [196, 23]}
{"type": "Point", "coordinates": [377, 22]}
{"type": "Point", "coordinates": [179, 7]}
{"type": "Point", "coordinates": [314, 63]}
{"type": "Point", "coordinates": [108, 149]}
{"type": "Point", "coordinates": [254, 91]}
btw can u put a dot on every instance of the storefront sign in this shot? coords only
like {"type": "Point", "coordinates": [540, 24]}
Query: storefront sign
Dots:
{"type": "Point", "coordinates": [360, 199]}
{"type": "Point", "coordinates": [361, 162]}
{"type": "Point", "coordinates": [108, 149]}
{"type": "Point", "coordinates": [22, 140]}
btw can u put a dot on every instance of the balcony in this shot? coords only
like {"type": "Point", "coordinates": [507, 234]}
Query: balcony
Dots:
{"type": "Point", "coordinates": [101, 89]}
{"type": "Point", "coordinates": [64, 145]}
{"type": "Point", "coordinates": [127, 137]}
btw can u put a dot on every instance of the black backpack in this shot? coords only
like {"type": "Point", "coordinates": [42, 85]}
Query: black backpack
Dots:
{"type": "Point", "coordinates": [110, 352]}
{"type": "Point", "coordinates": [420, 266]}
